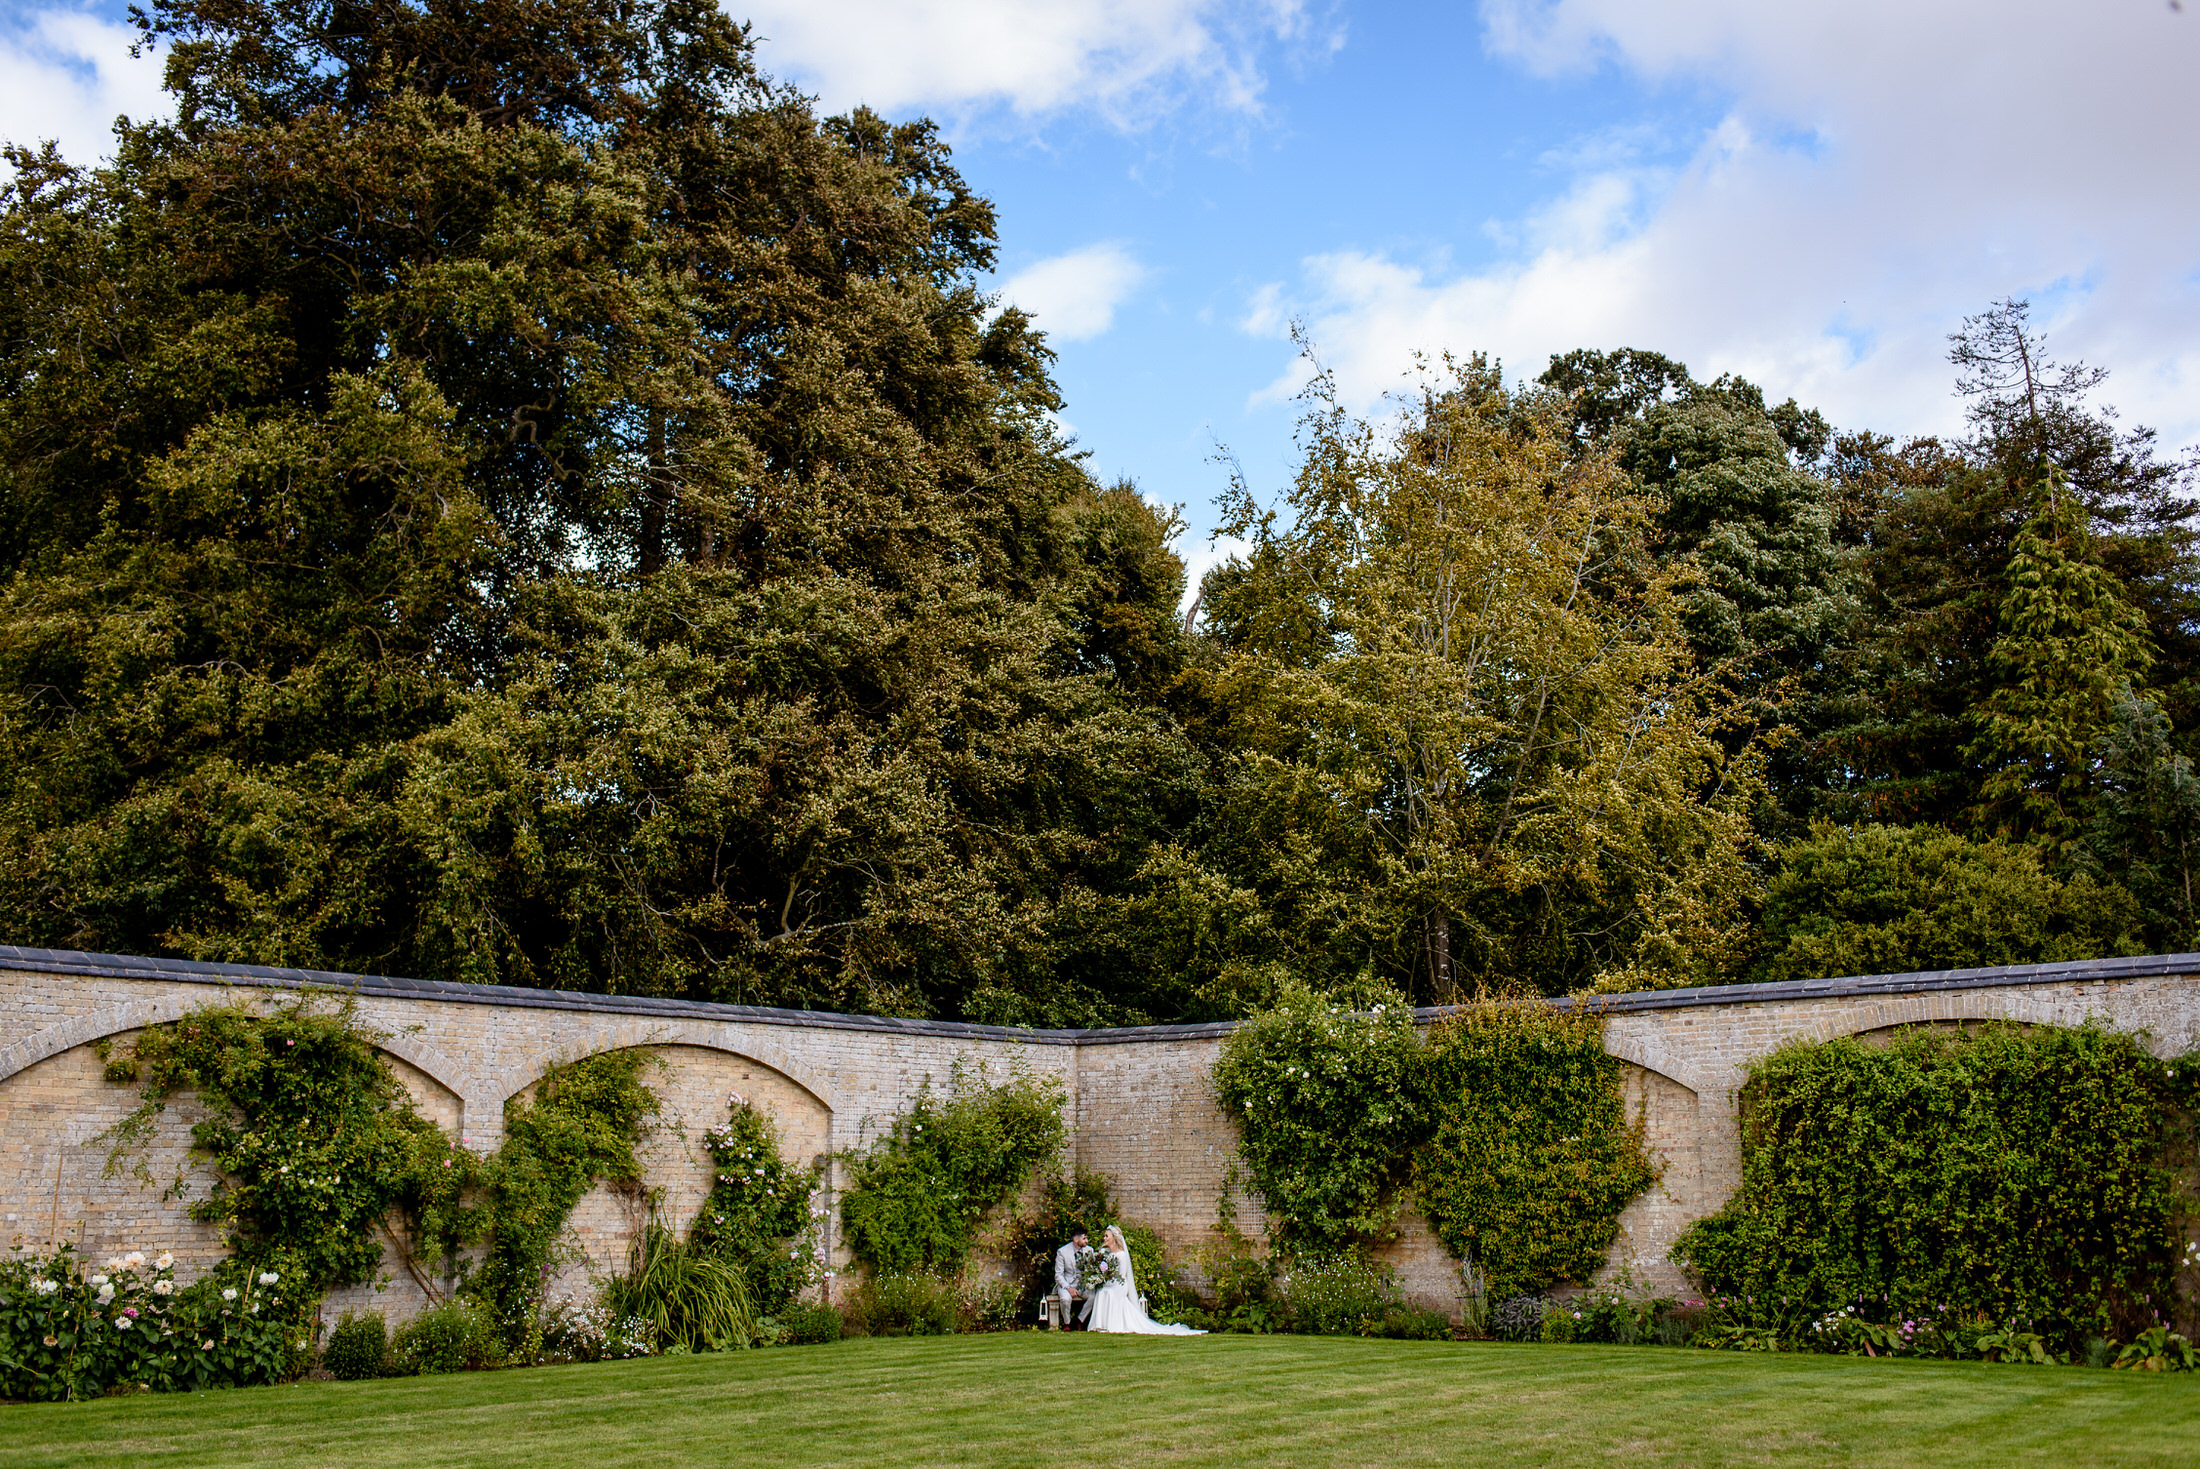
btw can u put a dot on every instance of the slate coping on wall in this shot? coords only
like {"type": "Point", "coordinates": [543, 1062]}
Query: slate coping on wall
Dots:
{"type": "Point", "coordinates": [124, 966]}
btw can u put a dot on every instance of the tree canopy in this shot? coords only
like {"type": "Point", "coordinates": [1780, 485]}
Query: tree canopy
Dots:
{"type": "Point", "coordinates": [503, 490]}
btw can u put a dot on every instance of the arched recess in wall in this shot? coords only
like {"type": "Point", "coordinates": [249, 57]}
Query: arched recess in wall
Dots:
{"type": "Point", "coordinates": [1966, 1009]}
{"type": "Point", "coordinates": [594, 1041]}
{"type": "Point", "coordinates": [114, 1020]}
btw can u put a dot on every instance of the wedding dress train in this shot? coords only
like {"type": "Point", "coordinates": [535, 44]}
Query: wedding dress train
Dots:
{"type": "Point", "coordinates": [1118, 1308]}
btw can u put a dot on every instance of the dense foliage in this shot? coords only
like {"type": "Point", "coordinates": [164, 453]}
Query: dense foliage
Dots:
{"type": "Point", "coordinates": [504, 491]}
{"type": "Point", "coordinates": [311, 1139]}
{"type": "Point", "coordinates": [2035, 1179]}
{"type": "Point", "coordinates": [1327, 1103]}
{"type": "Point", "coordinates": [916, 1197]}
{"type": "Point", "coordinates": [1532, 1155]}
{"type": "Point", "coordinates": [70, 1330]}
{"type": "Point", "coordinates": [759, 1214]}
{"type": "Point", "coordinates": [1889, 900]}
{"type": "Point", "coordinates": [319, 1159]}
{"type": "Point", "coordinates": [1507, 1121]}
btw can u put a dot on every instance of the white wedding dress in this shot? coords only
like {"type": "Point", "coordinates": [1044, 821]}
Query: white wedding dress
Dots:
{"type": "Point", "coordinates": [1118, 1308]}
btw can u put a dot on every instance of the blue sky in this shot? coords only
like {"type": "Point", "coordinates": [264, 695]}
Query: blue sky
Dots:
{"type": "Point", "coordinates": [1811, 194]}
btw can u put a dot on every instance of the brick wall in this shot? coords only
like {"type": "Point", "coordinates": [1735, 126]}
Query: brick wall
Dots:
{"type": "Point", "coordinates": [1142, 1105]}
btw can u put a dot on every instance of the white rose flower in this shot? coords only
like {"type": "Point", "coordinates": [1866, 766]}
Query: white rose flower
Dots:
{"type": "Point", "coordinates": [113, 1263]}
{"type": "Point", "coordinates": [106, 1294]}
{"type": "Point", "coordinates": [123, 1324]}
{"type": "Point", "coordinates": [269, 1277]}
{"type": "Point", "coordinates": [165, 1261]}
{"type": "Point", "coordinates": [99, 1280]}
{"type": "Point", "coordinates": [133, 1261]}
{"type": "Point", "coordinates": [229, 1294]}
{"type": "Point", "coordinates": [164, 1287]}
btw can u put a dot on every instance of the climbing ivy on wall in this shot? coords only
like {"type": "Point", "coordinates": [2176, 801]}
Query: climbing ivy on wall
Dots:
{"type": "Point", "coordinates": [1507, 1122]}
{"type": "Point", "coordinates": [582, 1124]}
{"type": "Point", "coordinates": [2009, 1175]}
{"type": "Point", "coordinates": [917, 1195]}
{"type": "Point", "coordinates": [315, 1145]}
{"type": "Point", "coordinates": [1328, 1104]}
{"type": "Point", "coordinates": [758, 1212]}
{"type": "Point", "coordinates": [311, 1138]}
{"type": "Point", "coordinates": [1531, 1154]}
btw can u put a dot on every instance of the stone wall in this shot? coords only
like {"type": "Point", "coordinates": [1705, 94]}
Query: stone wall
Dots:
{"type": "Point", "coordinates": [1142, 1107]}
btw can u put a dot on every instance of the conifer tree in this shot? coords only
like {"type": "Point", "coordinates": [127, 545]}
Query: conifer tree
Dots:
{"type": "Point", "coordinates": [2068, 646]}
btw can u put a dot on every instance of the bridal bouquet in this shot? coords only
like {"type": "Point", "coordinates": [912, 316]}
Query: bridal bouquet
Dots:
{"type": "Point", "coordinates": [1095, 1268]}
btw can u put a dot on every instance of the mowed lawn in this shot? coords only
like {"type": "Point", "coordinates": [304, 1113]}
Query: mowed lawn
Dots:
{"type": "Point", "coordinates": [1087, 1400]}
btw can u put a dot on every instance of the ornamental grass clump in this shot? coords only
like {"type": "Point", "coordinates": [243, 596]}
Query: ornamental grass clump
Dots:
{"type": "Point", "coordinates": [691, 1298]}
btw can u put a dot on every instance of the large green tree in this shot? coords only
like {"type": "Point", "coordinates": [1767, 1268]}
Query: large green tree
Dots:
{"type": "Point", "coordinates": [503, 491]}
{"type": "Point", "coordinates": [1471, 741]}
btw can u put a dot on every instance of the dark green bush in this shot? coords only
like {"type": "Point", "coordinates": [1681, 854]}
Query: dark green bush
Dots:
{"type": "Point", "coordinates": [461, 1335]}
{"type": "Point", "coordinates": [1328, 1104]}
{"type": "Point", "coordinates": [1411, 1323]}
{"type": "Point", "coordinates": [358, 1348]}
{"type": "Point", "coordinates": [808, 1323]}
{"type": "Point", "coordinates": [1890, 899]}
{"type": "Point", "coordinates": [1533, 1155]}
{"type": "Point", "coordinates": [893, 1304]}
{"type": "Point", "coordinates": [2007, 1180]}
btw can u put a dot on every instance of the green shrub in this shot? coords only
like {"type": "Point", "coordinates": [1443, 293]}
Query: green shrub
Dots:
{"type": "Point", "coordinates": [1617, 1314]}
{"type": "Point", "coordinates": [358, 1348]}
{"type": "Point", "coordinates": [989, 1305]}
{"type": "Point", "coordinates": [691, 1298]}
{"type": "Point", "coordinates": [71, 1330]}
{"type": "Point", "coordinates": [573, 1331]}
{"type": "Point", "coordinates": [1945, 1186]}
{"type": "Point", "coordinates": [893, 1304]}
{"type": "Point", "coordinates": [1411, 1323]}
{"type": "Point", "coordinates": [916, 1197]}
{"type": "Point", "coordinates": [1532, 1156]}
{"type": "Point", "coordinates": [808, 1323]}
{"type": "Point", "coordinates": [758, 1215]}
{"type": "Point", "coordinates": [1891, 899]}
{"type": "Point", "coordinates": [1327, 1104]}
{"type": "Point", "coordinates": [1339, 1296]}
{"type": "Point", "coordinates": [1244, 1281]}
{"type": "Point", "coordinates": [461, 1335]}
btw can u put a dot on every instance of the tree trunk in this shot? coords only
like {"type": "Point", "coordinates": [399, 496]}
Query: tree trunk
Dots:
{"type": "Point", "coordinates": [1436, 945]}
{"type": "Point", "coordinates": [656, 493]}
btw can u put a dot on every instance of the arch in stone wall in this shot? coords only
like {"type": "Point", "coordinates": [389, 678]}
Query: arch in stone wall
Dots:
{"type": "Point", "coordinates": [1966, 1007]}
{"type": "Point", "coordinates": [1651, 1053]}
{"type": "Point", "coordinates": [626, 1035]}
{"type": "Point", "coordinates": [112, 1020]}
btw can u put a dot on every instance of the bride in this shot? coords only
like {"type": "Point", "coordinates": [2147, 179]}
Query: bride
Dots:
{"type": "Point", "coordinates": [1117, 1307]}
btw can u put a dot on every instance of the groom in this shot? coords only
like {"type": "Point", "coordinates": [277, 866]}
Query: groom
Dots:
{"type": "Point", "coordinates": [1069, 1280]}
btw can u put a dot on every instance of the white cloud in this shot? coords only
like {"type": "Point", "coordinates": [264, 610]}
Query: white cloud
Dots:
{"type": "Point", "coordinates": [66, 75]}
{"type": "Point", "coordinates": [1882, 168]}
{"type": "Point", "coordinates": [1074, 296]}
{"type": "Point", "coordinates": [1130, 59]}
